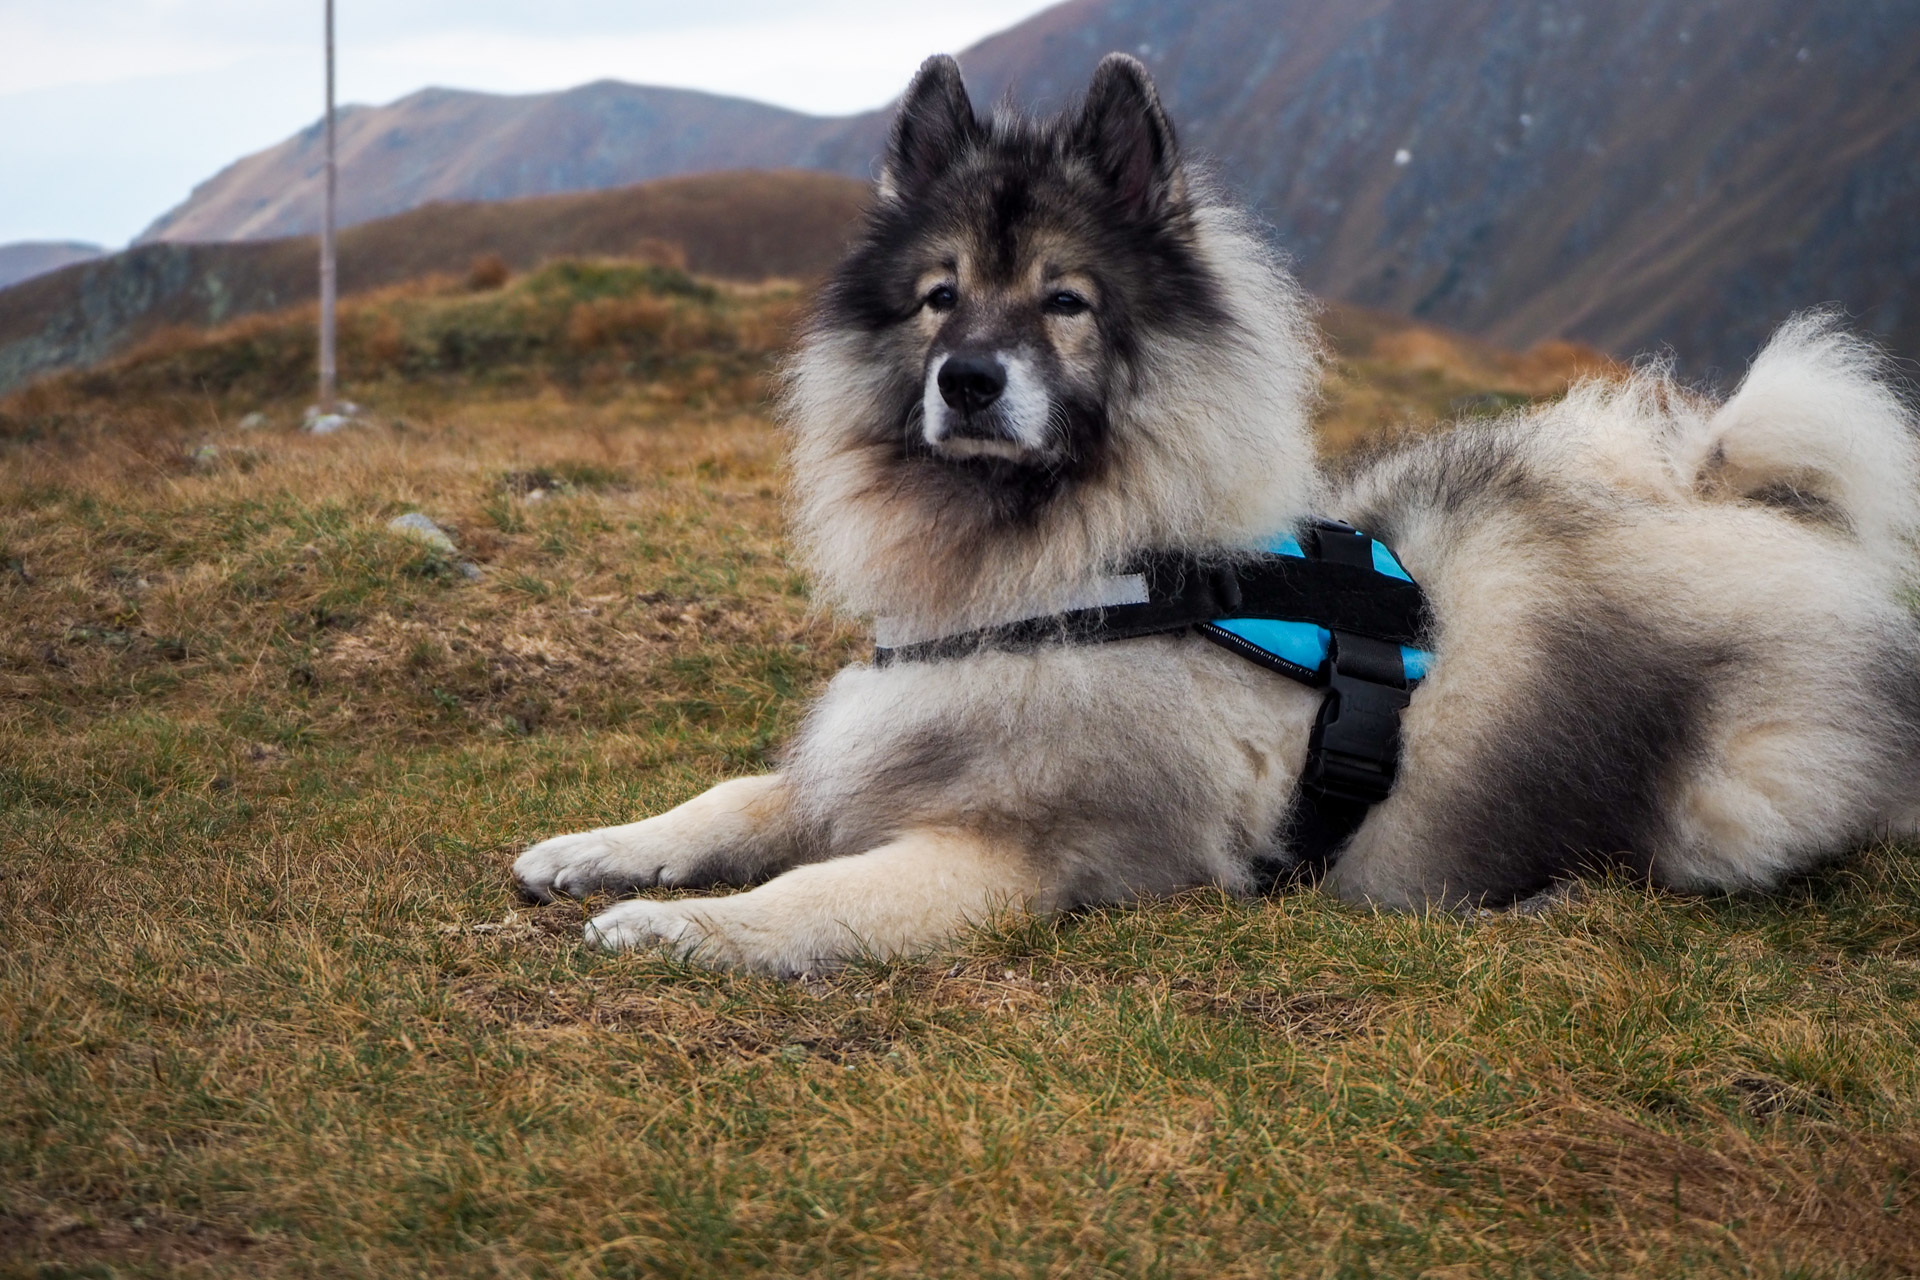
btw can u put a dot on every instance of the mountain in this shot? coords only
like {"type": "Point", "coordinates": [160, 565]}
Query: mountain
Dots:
{"type": "Point", "coordinates": [1629, 173]}
{"type": "Point", "coordinates": [25, 259]}
{"type": "Point", "coordinates": [739, 226]}
{"type": "Point", "coordinates": [446, 144]}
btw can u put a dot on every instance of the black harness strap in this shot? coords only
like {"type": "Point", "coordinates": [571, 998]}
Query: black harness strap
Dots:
{"type": "Point", "coordinates": [1181, 593]}
{"type": "Point", "coordinates": [1339, 596]}
{"type": "Point", "coordinates": [1353, 755]}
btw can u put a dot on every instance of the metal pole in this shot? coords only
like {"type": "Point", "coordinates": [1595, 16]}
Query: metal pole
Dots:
{"type": "Point", "coordinates": [327, 284]}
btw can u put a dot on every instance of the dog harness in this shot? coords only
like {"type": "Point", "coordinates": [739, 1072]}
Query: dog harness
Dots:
{"type": "Point", "coordinates": [1328, 606]}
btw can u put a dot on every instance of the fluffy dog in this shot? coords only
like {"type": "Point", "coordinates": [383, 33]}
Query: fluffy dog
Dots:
{"type": "Point", "coordinates": [1672, 636]}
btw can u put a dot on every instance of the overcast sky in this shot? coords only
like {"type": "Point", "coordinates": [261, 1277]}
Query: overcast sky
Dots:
{"type": "Point", "coordinates": [111, 110]}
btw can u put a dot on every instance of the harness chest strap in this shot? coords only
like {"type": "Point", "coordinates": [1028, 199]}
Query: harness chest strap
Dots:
{"type": "Point", "coordinates": [1331, 608]}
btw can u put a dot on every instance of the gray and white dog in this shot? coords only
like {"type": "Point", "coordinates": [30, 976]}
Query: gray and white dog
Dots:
{"type": "Point", "coordinates": [1671, 635]}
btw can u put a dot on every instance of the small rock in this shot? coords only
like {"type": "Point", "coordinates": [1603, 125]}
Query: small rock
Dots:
{"type": "Point", "coordinates": [415, 525]}
{"type": "Point", "coordinates": [344, 414]}
{"type": "Point", "coordinates": [255, 421]}
{"type": "Point", "coordinates": [204, 456]}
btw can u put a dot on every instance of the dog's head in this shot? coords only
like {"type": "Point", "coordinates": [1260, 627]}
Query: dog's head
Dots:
{"type": "Point", "coordinates": [1015, 272]}
{"type": "Point", "coordinates": [1037, 358]}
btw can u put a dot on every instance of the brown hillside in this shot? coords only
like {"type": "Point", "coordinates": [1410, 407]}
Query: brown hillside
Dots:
{"type": "Point", "coordinates": [1629, 173]}
{"type": "Point", "coordinates": [586, 329]}
{"type": "Point", "coordinates": [731, 226]}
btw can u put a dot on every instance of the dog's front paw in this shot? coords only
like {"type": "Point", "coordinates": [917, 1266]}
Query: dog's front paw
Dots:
{"type": "Point", "coordinates": [670, 926]}
{"type": "Point", "coordinates": [575, 865]}
{"type": "Point", "coordinates": [719, 933]}
{"type": "Point", "coordinates": [731, 834]}
{"type": "Point", "coordinates": [630, 926]}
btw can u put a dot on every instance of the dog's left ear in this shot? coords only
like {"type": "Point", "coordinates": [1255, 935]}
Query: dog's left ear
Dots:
{"type": "Point", "coordinates": [1123, 130]}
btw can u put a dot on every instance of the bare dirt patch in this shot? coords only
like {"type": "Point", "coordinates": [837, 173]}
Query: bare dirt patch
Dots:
{"type": "Point", "coordinates": [1829, 1197]}
{"type": "Point", "coordinates": [158, 1239]}
{"type": "Point", "coordinates": [836, 1031]}
{"type": "Point", "coordinates": [1308, 1016]}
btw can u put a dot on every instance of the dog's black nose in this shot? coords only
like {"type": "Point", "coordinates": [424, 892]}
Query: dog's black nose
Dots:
{"type": "Point", "coordinates": [971, 383]}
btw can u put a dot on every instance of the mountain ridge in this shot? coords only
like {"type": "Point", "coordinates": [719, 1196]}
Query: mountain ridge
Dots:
{"type": "Point", "coordinates": [1635, 174]}
{"type": "Point", "coordinates": [25, 259]}
{"type": "Point", "coordinates": [457, 144]}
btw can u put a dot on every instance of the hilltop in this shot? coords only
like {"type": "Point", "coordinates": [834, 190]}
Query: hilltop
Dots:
{"type": "Point", "coordinates": [1627, 173]}
{"type": "Point", "coordinates": [593, 326]}
{"type": "Point", "coordinates": [733, 226]}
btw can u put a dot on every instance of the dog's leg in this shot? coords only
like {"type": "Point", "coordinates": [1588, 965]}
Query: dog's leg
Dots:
{"type": "Point", "coordinates": [895, 900]}
{"type": "Point", "coordinates": [737, 833]}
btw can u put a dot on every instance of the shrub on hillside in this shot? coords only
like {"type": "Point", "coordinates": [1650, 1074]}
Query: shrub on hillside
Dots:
{"type": "Point", "coordinates": [489, 271]}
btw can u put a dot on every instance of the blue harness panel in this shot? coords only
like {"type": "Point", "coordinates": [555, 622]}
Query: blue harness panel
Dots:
{"type": "Point", "coordinates": [1299, 649]}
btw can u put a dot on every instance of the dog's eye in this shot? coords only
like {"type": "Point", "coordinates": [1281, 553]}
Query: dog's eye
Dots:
{"type": "Point", "coordinates": [1065, 302]}
{"type": "Point", "coordinates": [941, 298]}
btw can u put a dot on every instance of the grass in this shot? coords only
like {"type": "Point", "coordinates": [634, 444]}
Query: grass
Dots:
{"type": "Point", "coordinates": [268, 1007]}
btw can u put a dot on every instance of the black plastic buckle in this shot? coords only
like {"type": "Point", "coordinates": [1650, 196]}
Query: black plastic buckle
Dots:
{"type": "Point", "coordinates": [1354, 751]}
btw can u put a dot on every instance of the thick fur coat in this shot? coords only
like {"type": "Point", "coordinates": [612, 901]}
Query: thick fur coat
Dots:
{"type": "Point", "coordinates": [1672, 636]}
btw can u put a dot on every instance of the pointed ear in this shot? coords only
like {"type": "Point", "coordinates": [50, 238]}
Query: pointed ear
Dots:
{"type": "Point", "coordinates": [934, 124]}
{"type": "Point", "coordinates": [1123, 130]}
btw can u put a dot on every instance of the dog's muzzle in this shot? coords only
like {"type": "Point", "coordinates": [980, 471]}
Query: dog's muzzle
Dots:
{"type": "Point", "coordinates": [981, 404]}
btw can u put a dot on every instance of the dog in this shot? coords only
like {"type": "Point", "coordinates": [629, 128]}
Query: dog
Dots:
{"type": "Point", "coordinates": [1672, 637]}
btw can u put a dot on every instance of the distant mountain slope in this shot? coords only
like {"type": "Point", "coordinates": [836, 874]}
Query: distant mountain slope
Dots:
{"type": "Point", "coordinates": [25, 259]}
{"type": "Point", "coordinates": [741, 226]}
{"type": "Point", "coordinates": [446, 144]}
{"type": "Point", "coordinates": [1627, 172]}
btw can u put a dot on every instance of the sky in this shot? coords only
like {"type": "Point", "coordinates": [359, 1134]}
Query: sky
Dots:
{"type": "Point", "coordinates": [112, 110]}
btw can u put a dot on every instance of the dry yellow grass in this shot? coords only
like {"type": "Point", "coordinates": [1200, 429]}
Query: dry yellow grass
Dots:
{"type": "Point", "coordinates": [1389, 376]}
{"type": "Point", "coordinates": [268, 1007]}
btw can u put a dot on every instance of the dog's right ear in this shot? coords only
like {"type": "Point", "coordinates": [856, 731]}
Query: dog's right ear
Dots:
{"type": "Point", "coordinates": [934, 124]}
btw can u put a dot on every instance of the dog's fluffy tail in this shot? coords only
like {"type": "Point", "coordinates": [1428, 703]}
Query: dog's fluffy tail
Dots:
{"type": "Point", "coordinates": [1818, 426]}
